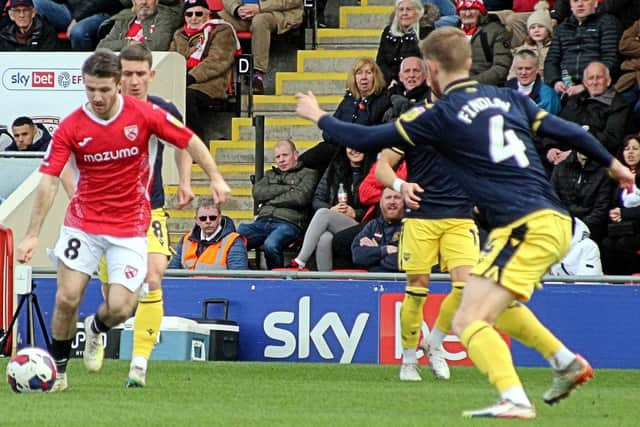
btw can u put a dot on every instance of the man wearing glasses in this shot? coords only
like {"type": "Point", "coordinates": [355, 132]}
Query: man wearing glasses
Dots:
{"type": "Point", "coordinates": [212, 244]}
{"type": "Point", "coordinates": [27, 30]}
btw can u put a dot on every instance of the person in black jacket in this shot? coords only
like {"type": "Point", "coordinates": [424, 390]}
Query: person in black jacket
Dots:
{"type": "Point", "coordinates": [585, 36]}
{"type": "Point", "coordinates": [27, 30]}
{"type": "Point", "coordinates": [80, 19]}
{"type": "Point", "coordinates": [365, 103]}
{"type": "Point", "coordinates": [585, 189]}
{"type": "Point", "coordinates": [400, 39]}
{"type": "Point", "coordinates": [28, 136]}
{"type": "Point", "coordinates": [376, 246]}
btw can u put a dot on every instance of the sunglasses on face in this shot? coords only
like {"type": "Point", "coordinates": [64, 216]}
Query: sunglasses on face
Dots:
{"type": "Point", "coordinates": [199, 14]}
{"type": "Point", "coordinates": [212, 218]}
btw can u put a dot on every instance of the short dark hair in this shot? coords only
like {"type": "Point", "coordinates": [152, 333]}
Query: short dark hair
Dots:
{"type": "Point", "coordinates": [207, 202]}
{"type": "Point", "coordinates": [137, 52]}
{"type": "Point", "coordinates": [23, 120]}
{"type": "Point", "coordinates": [103, 64]}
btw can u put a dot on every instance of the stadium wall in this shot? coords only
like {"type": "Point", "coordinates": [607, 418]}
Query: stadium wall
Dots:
{"type": "Point", "coordinates": [356, 321]}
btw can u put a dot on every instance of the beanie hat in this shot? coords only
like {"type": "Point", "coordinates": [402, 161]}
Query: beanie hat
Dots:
{"type": "Point", "coordinates": [471, 4]}
{"type": "Point", "coordinates": [188, 4]}
{"type": "Point", "coordinates": [541, 16]}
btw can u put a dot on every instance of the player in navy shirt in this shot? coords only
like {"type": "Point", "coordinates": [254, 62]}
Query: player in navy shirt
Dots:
{"type": "Point", "coordinates": [484, 136]}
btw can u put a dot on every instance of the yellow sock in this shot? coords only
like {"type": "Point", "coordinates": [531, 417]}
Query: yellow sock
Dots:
{"type": "Point", "coordinates": [449, 307]}
{"type": "Point", "coordinates": [521, 324]}
{"type": "Point", "coordinates": [411, 315]}
{"type": "Point", "coordinates": [490, 354]}
{"type": "Point", "coordinates": [147, 323]}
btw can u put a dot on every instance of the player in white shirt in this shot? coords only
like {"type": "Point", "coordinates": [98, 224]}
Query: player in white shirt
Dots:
{"type": "Point", "coordinates": [108, 141]}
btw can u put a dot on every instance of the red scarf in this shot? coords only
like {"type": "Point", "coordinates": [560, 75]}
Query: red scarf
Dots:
{"type": "Point", "coordinates": [196, 56]}
{"type": "Point", "coordinates": [136, 32]}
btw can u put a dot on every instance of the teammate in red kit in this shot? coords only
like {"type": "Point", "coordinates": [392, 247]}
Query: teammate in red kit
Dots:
{"type": "Point", "coordinates": [107, 142]}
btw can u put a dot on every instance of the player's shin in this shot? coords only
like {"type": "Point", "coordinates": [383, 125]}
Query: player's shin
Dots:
{"type": "Point", "coordinates": [491, 355]}
{"type": "Point", "coordinates": [147, 323]}
{"type": "Point", "coordinates": [411, 320]}
{"type": "Point", "coordinates": [448, 309]}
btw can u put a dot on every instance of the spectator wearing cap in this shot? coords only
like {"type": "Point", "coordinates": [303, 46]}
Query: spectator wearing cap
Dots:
{"type": "Point", "coordinates": [27, 31]}
{"type": "Point", "coordinates": [209, 46]}
{"type": "Point", "coordinates": [490, 42]}
{"type": "Point", "coordinates": [28, 136]}
{"type": "Point", "coordinates": [262, 18]}
{"type": "Point", "coordinates": [538, 38]}
{"type": "Point", "coordinates": [148, 22]}
{"type": "Point", "coordinates": [79, 19]}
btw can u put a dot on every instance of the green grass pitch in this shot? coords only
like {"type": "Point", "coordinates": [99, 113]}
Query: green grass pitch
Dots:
{"type": "Point", "coordinates": [299, 394]}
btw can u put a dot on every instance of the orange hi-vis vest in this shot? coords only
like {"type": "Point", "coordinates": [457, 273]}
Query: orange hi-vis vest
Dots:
{"type": "Point", "coordinates": [214, 257]}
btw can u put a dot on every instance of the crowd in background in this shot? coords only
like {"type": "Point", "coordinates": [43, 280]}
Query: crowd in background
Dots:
{"type": "Point", "coordinates": [578, 59]}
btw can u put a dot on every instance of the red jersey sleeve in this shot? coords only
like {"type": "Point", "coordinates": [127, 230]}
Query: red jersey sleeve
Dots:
{"type": "Point", "coordinates": [58, 151]}
{"type": "Point", "coordinates": [167, 127]}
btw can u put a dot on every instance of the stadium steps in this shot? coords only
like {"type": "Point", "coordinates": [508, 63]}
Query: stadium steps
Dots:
{"type": "Point", "coordinates": [323, 71]}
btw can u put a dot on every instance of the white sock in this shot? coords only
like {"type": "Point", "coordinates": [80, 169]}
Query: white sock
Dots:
{"type": "Point", "coordinates": [517, 396]}
{"type": "Point", "coordinates": [139, 361]}
{"type": "Point", "coordinates": [561, 358]}
{"type": "Point", "coordinates": [409, 356]}
{"type": "Point", "coordinates": [436, 337]}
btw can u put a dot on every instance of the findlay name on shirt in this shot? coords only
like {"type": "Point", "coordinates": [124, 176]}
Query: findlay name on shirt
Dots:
{"type": "Point", "coordinates": [477, 105]}
{"type": "Point", "coordinates": [107, 156]}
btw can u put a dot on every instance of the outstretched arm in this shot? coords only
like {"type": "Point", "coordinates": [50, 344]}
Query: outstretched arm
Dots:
{"type": "Point", "coordinates": [364, 138]}
{"type": "Point", "coordinates": [198, 151]}
{"type": "Point", "coordinates": [45, 194]}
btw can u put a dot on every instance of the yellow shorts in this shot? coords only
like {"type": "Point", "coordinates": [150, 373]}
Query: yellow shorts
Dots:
{"type": "Point", "coordinates": [517, 255]}
{"type": "Point", "coordinates": [422, 240]}
{"type": "Point", "coordinates": [157, 241]}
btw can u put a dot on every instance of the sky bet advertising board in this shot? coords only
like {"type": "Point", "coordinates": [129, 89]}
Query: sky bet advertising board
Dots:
{"type": "Point", "coordinates": [357, 321]}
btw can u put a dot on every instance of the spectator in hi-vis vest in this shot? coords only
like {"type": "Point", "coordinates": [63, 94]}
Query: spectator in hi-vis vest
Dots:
{"type": "Point", "coordinates": [212, 244]}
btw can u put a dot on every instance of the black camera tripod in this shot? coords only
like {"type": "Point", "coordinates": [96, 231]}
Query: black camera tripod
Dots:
{"type": "Point", "coordinates": [32, 305]}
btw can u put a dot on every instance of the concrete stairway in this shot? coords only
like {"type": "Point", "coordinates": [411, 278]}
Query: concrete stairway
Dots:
{"type": "Point", "coordinates": [322, 71]}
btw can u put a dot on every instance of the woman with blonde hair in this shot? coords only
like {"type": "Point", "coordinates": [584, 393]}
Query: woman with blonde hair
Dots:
{"type": "Point", "coordinates": [364, 102]}
{"type": "Point", "coordinates": [400, 39]}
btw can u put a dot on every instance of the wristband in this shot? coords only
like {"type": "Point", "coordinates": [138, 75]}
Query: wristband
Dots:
{"type": "Point", "coordinates": [397, 185]}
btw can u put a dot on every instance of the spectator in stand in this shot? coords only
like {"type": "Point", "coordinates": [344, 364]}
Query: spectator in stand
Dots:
{"type": "Point", "coordinates": [627, 11]}
{"type": "Point", "coordinates": [528, 81]}
{"type": "Point", "coordinates": [583, 258]}
{"type": "Point", "coordinates": [621, 246]}
{"type": "Point", "coordinates": [212, 244]}
{"type": "Point", "coordinates": [538, 38]}
{"type": "Point", "coordinates": [28, 136]}
{"type": "Point", "coordinates": [365, 102]}
{"type": "Point", "coordinates": [337, 206]}
{"type": "Point", "coordinates": [27, 30]}
{"type": "Point", "coordinates": [283, 197]}
{"type": "Point", "coordinates": [629, 82]}
{"type": "Point", "coordinates": [79, 19]}
{"type": "Point", "coordinates": [584, 37]}
{"type": "Point", "coordinates": [209, 46]}
{"type": "Point", "coordinates": [412, 89]}
{"type": "Point", "coordinates": [262, 17]}
{"type": "Point", "coordinates": [599, 109]}
{"type": "Point", "coordinates": [585, 189]}
{"type": "Point", "coordinates": [518, 22]}
{"type": "Point", "coordinates": [376, 246]}
{"type": "Point", "coordinates": [400, 39]}
{"type": "Point", "coordinates": [148, 22]}
{"type": "Point", "coordinates": [490, 42]}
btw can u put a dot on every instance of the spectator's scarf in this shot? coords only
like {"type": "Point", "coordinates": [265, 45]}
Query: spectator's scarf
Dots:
{"type": "Point", "coordinates": [136, 32]}
{"type": "Point", "coordinates": [196, 57]}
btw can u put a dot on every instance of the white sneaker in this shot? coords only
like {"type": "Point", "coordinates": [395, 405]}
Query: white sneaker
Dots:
{"type": "Point", "coordinates": [437, 360]}
{"type": "Point", "coordinates": [410, 372]}
{"type": "Point", "coordinates": [93, 354]}
{"type": "Point", "coordinates": [61, 383]}
{"type": "Point", "coordinates": [137, 376]}
{"type": "Point", "coordinates": [503, 409]}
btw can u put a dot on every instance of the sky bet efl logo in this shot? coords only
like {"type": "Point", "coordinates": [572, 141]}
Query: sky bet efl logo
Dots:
{"type": "Point", "coordinates": [39, 79]}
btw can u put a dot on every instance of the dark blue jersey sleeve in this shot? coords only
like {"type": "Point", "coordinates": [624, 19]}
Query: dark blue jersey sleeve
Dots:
{"type": "Point", "coordinates": [557, 128]}
{"type": "Point", "coordinates": [363, 138]}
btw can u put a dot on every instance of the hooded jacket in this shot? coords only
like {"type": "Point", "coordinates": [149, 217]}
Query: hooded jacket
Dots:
{"type": "Point", "coordinates": [41, 140]}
